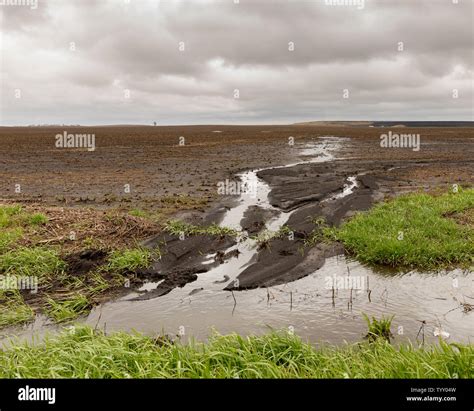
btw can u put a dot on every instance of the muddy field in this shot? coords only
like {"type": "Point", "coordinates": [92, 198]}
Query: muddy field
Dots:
{"type": "Point", "coordinates": [154, 164]}
{"type": "Point", "coordinates": [304, 173]}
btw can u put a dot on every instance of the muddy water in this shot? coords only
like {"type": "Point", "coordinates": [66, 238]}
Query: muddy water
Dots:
{"type": "Point", "coordinates": [307, 305]}
{"type": "Point", "coordinates": [325, 306]}
{"type": "Point", "coordinates": [321, 151]}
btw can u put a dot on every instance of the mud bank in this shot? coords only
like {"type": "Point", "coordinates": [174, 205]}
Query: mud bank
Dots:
{"type": "Point", "coordinates": [181, 262]}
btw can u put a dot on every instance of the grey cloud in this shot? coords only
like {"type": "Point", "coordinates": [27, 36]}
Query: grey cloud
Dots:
{"type": "Point", "coordinates": [134, 47]}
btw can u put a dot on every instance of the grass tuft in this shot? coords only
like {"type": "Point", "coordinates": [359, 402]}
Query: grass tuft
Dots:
{"type": "Point", "coordinates": [37, 262]}
{"type": "Point", "coordinates": [129, 260]}
{"type": "Point", "coordinates": [177, 227]}
{"type": "Point", "coordinates": [61, 311]}
{"type": "Point", "coordinates": [13, 309]}
{"type": "Point", "coordinates": [379, 328]}
{"type": "Point", "coordinates": [37, 219]}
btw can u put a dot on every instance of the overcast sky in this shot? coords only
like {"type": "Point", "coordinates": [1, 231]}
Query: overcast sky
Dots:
{"type": "Point", "coordinates": [181, 62]}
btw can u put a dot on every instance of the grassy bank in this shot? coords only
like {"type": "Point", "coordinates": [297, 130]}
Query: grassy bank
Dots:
{"type": "Point", "coordinates": [415, 231]}
{"type": "Point", "coordinates": [87, 353]}
{"type": "Point", "coordinates": [68, 259]}
{"type": "Point", "coordinates": [78, 258]}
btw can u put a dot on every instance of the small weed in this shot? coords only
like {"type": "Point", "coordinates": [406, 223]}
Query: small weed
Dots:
{"type": "Point", "coordinates": [129, 260]}
{"type": "Point", "coordinates": [379, 328]}
{"type": "Point", "coordinates": [177, 227]}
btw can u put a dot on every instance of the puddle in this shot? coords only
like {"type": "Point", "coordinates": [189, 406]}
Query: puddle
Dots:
{"type": "Point", "coordinates": [307, 305]}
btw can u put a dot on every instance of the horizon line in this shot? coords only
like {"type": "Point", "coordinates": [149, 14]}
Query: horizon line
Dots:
{"type": "Point", "coordinates": [234, 124]}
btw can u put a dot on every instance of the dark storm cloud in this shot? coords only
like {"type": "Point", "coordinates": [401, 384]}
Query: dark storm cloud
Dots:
{"type": "Point", "coordinates": [93, 61]}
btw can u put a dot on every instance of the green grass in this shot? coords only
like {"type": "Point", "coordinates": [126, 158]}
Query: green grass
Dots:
{"type": "Point", "coordinates": [138, 213]}
{"type": "Point", "coordinates": [13, 309]}
{"type": "Point", "coordinates": [15, 216]}
{"type": "Point", "coordinates": [177, 227]}
{"type": "Point", "coordinates": [12, 221]}
{"type": "Point", "coordinates": [414, 231]}
{"type": "Point", "coordinates": [379, 328]}
{"type": "Point", "coordinates": [87, 353]}
{"type": "Point", "coordinates": [129, 260]}
{"type": "Point", "coordinates": [8, 215]}
{"type": "Point", "coordinates": [69, 309]}
{"type": "Point", "coordinates": [40, 262]}
{"type": "Point", "coordinates": [36, 219]}
{"type": "Point", "coordinates": [8, 237]}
